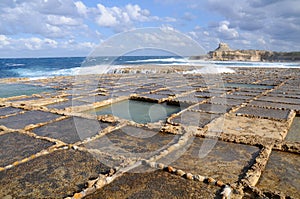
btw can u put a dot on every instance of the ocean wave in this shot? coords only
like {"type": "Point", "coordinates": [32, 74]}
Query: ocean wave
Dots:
{"type": "Point", "coordinates": [210, 70]}
{"type": "Point", "coordinates": [37, 71]}
{"type": "Point", "coordinates": [256, 64]}
{"type": "Point", "coordinates": [41, 74]}
{"type": "Point", "coordinates": [161, 60]}
{"type": "Point", "coordinates": [14, 64]}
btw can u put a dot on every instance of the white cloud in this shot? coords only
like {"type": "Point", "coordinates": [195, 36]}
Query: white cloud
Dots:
{"type": "Point", "coordinates": [31, 44]}
{"type": "Point", "coordinates": [122, 18]}
{"type": "Point", "coordinates": [270, 20]}
{"type": "Point", "coordinates": [62, 20]}
{"type": "Point", "coordinates": [136, 13]}
{"type": "Point", "coordinates": [66, 24]}
{"type": "Point", "coordinates": [55, 18]}
{"type": "Point", "coordinates": [169, 19]}
{"type": "Point", "coordinates": [55, 7]}
{"type": "Point", "coordinates": [34, 46]}
{"type": "Point", "coordinates": [107, 17]}
{"type": "Point", "coordinates": [81, 8]}
{"type": "Point", "coordinates": [193, 34]}
{"type": "Point", "coordinates": [227, 32]}
{"type": "Point", "coordinates": [4, 41]}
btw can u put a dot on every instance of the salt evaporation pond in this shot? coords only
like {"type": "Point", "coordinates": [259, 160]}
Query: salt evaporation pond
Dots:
{"type": "Point", "coordinates": [138, 111]}
{"type": "Point", "coordinates": [11, 90]}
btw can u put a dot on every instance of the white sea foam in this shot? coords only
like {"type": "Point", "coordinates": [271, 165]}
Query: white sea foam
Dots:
{"type": "Point", "coordinates": [13, 64]}
{"type": "Point", "coordinates": [207, 67]}
{"type": "Point", "coordinates": [256, 64]}
{"type": "Point", "coordinates": [172, 59]}
{"type": "Point", "coordinates": [210, 70]}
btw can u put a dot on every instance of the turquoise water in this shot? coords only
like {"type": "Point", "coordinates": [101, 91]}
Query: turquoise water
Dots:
{"type": "Point", "coordinates": [137, 111]}
{"type": "Point", "coordinates": [11, 90]}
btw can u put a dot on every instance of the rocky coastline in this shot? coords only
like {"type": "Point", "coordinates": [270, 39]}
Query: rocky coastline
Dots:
{"type": "Point", "coordinates": [225, 53]}
{"type": "Point", "coordinates": [52, 146]}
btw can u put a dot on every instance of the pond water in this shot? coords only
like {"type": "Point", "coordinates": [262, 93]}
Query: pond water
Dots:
{"type": "Point", "coordinates": [138, 111]}
{"type": "Point", "coordinates": [294, 132]}
{"type": "Point", "coordinates": [11, 90]}
{"type": "Point", "coordinates": [239, 85]}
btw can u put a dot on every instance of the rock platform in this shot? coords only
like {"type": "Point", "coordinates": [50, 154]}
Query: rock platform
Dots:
{"type": "Point", "coordinates": [234, 131]}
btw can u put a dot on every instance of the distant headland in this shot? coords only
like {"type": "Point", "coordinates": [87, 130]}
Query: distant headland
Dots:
{"type": "Point", "coordinates": [225, 53]}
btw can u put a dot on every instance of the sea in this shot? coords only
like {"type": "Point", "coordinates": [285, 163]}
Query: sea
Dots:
{"type": "Point", "coordinates": [36, 68]}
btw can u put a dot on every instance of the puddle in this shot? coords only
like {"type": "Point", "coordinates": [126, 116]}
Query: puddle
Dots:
{"type": "Point", "coordinates": [211, 108]}
{"type": "Point", "coordinates": [217, 159]}
{"type": "Point", "coordinates": [138, 111]}
{"type": "Point", "coordinates": [56, 175]}
{"type": "Point", "coordinates": [275, 105]}
{"type": "Point", "coordinates": [132, 142]}
{"type": "Point", "coordinates": [282, 174]}
{"type": "Point", "coordinates": [30, 117]}
{"type": "Point", "coordinates": [238, 85]}
{"type": "Point", "coordinates": [11, 90]}
{"type": "Point", "coordinates": [294, 132]}
{"type": "Point", "coordinates": [191, 118]}
{"type": "Point", "coordinates": [264, 112]}
{"type": "Point", "coordinates": [72, 129]}
{"type": "Point", "coordinates": [286, 100]}
{"type": "Point", "coordinates": [15, 147]}
{"type": "Point", "coordinates": [9, 110]}
{"type": "Point", "coordinates": [158, 184]}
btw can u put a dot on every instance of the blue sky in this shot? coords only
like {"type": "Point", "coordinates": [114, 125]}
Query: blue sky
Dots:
{"type": "Point", "coordinates": [47, 28]}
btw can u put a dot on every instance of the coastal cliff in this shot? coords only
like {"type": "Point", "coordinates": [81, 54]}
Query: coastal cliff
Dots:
{"type": "Point", "coordinates": [225, 53]}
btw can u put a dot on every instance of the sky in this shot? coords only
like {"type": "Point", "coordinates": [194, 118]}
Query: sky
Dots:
{"type": "Point", "coordinates": [51, 28]}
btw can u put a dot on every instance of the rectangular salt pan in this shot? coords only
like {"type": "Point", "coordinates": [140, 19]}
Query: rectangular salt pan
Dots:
{"type": "Point", "coordinates": [11, 90]}
{"type": "Point", "coordinates": [137, 111]}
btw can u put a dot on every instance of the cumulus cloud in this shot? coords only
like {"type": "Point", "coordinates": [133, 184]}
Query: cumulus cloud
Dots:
{"type": "Point", "coordinates": [226, 32]}
{"type": "Point", "coordinates": [62, 20]}
{"type": "Point", "coordinates": [122, 18]}
{"type": "Point", "coordinates": [81, 8]}
{"type": "Point", "coordinates": [32, 43]}
{"type": "Point", "coordinates": [56, 7]}
{"type": "Point", "coordinates": [55, 18]}
{"type": "Point", "coordinates": [55, 24]}
{"type": "Point", "coordinates": [64, 24]}
{"type": "Point", "coordinates": [35, 46]}
{"type": "Point", "coordinates": [4, 41]}
{"type": "Point", "coordinates": [271, 19]}
{"type": "Point", "coordinates": [257, 24]}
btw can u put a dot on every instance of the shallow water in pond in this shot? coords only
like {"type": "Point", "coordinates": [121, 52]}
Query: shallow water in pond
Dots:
{"type": "Point", "coordinates": [282, 174]}
{"type": "Point", "coordinates": [294, 132]}
{"type": "Point", "coordinates": [238, 85]}
{"type": "Point", "coordinates": [11, 90]}
{"type": "Point", "coordinates": [138, 111]}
